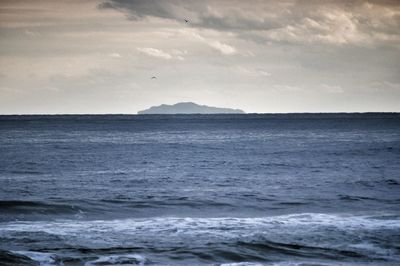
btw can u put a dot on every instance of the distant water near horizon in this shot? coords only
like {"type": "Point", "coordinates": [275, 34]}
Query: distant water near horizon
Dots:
{"type": "Point", "coordinates": [232, 189]}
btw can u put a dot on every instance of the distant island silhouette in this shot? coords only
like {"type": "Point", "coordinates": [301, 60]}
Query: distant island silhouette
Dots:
{"type": "Point", "coordinates": [189, 108]}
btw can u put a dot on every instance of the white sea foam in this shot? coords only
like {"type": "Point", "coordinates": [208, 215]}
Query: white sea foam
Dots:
{"type": "Point", "coordinates": [324, 263]}
{"type": "Point", "coordinates": [242, 264]}
{"type": "Point", "coordinates": [285, 263]}
{"type": "Point", "coordinates": [124, 259]}
{"type": "Point", "coordinates": [174, 225]}
{"type": "Point", "coordinates": [43, 258]}
{"type": "Point", "coordinates": [305, 263]}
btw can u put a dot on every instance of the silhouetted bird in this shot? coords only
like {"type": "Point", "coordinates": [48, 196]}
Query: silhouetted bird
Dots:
{"type": "Point", "coordinates": [186, 20]}
{"type": "Point", "coordinates": [153, 77]}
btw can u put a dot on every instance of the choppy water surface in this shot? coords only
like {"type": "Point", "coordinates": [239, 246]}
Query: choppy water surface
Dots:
{"type": "Point", "coordinates": [305, 189]}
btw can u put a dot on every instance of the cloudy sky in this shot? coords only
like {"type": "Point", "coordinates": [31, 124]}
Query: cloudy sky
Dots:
{"type": "Point", "coordinates": [73, 56]}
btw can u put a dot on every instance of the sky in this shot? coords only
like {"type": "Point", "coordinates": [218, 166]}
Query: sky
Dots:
{"type": "Point", "coordinates": [264, 56]}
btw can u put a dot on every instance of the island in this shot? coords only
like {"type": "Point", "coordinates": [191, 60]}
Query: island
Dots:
{"type": "Point", "coordinates": [189, 108]}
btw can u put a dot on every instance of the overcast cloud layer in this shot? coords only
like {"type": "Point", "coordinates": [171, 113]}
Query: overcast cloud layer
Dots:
{"type": "Point", "coordinates": [261, 56]}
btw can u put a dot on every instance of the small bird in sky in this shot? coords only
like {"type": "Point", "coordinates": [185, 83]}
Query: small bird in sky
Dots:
{"type": "Point", "coordinates": [186, 20]}
{"type": "Point", "coordinates": [153, 77]}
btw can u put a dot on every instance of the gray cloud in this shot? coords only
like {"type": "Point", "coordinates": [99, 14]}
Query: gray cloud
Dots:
{"type": "Point", "coordinates": [330, 22]}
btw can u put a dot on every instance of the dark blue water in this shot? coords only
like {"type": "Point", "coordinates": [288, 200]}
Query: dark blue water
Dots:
{"type": "Point", "coordinates": [305, 189]}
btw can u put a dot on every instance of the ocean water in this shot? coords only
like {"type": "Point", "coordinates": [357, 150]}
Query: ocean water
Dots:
{"type": "Point", "coordinates": [295, 189]}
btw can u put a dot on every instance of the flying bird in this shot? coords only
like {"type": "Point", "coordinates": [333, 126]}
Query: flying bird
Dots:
{"type": "Point", "coordinates": [153, 77]}
{"type": "Point", "coordinates": [186, 20]}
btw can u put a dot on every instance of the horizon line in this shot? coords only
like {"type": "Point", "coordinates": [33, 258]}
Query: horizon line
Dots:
{"type": "Point", "coordinates": [267, 113]}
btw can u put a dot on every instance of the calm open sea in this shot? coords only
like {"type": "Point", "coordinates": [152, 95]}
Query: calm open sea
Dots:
{"type": "Point", "coordinates": [295, 189]}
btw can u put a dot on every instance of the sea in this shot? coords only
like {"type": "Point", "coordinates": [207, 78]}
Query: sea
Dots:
{"type": "Point", "coordinates": [230, 190]}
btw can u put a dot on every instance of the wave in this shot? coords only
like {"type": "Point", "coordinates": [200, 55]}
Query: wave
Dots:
{"type": "Point", "coordinates": [49, 259]}
{"type": "Point", "coordinates": [19, 206]}
{"type": "Point", "coordinates": [14, 258]}
{"type": "Point", "coordinates": [12, 210]}
{"type": "Point", "coordinates": [300, 250]}
{"type": "Point", "coordinates": [303, 235]}
{"type": "Point", "coordinates": [304, 239]}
